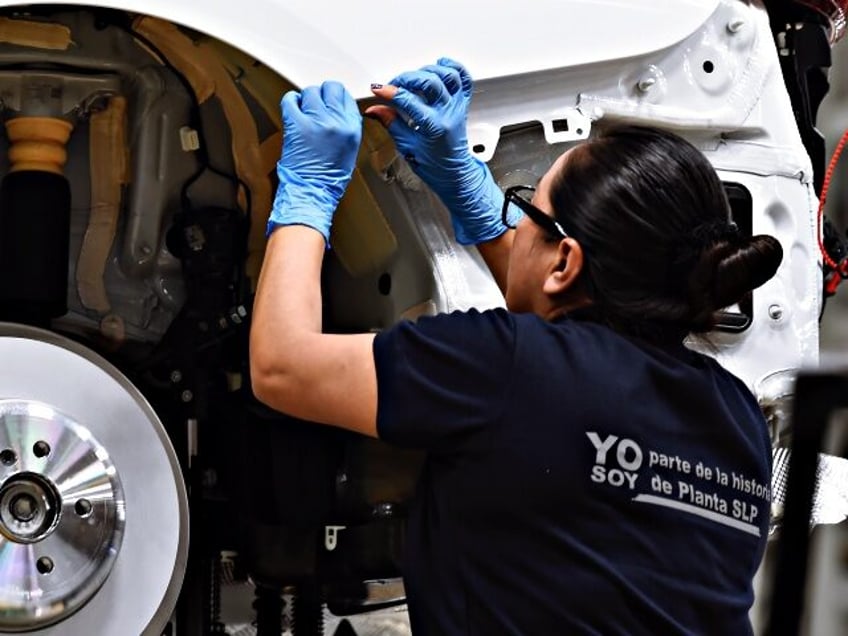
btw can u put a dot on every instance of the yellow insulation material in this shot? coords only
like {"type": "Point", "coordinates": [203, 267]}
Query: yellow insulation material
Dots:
{"type": "Point", "coordinates": [181, 51]}
{"type": "Point", "coordinates": [109, 169]}
{"type": "Point", "coordinates": [362, 238]}
{"type": "Point", "coordinates": [38, 35]}
{"type": "Point", "coordinates": [201, 62]}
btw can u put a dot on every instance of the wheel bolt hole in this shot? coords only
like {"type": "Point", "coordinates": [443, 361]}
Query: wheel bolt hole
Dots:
{"type": "Point", "coordinates": [8, 457]}
{"type": "Point", "coordinates": [44, 565]}
{"type": "Point", "coordinates": [82, 507]}
{"type": "Point", "coordinates": [41, 449]}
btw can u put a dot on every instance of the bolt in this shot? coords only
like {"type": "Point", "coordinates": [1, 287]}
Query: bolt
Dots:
{"type": "Point", "coordinates": [146, 250]}
{"type": "Point", "coordinates": [735, 25]}
{"type": "Point", "coordinates": [646, 83]}
{"type": "Point", "coordinates": [775, 312]}
{"type": "Point", "coordinates": [176, 376]}
{"type": "Point", "coordinates": [186, 396]}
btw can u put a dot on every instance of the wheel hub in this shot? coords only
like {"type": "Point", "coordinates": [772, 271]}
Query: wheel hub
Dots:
{"type": "Point", "coordinates": [61, 515]}
{"type": "Point", "coordinates": [93, 508]}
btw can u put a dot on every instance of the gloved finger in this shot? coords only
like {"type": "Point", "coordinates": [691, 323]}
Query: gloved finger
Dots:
{"type": "Point", "coordinates": [428, 84]}
{"type": "Point", "coordinates": [350, 107]}
{"type": "Point", "coordinates": [311, 101]}
{"type": "Point", "coordinates": [450, 76]}
{"type": "Point", "coordinates": [290, 105]}
{"type": "Point", "coordinates": [410, 117]}
{"type": "Point", "coordinates": [333, 95]}
{"type": "Point", "coordinates": [413, 110]}
{"type": "Point", "coordinates": [464, 75]}
{"type": "Point", "coordinates": [337, 99]}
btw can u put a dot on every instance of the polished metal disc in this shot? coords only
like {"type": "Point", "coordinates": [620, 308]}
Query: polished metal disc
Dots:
{"type": "Point", "coordinates": [93, 510]}
{"type": "Point", "coordinates": [61, 515]}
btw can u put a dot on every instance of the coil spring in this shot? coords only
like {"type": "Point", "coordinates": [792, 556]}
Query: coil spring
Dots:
{"type": "Point", "coordinates": [215, 624]}
{"type": "Point", "coordinates": [269, 605]}
{"type": "Point", "coordinates": [307, 612]}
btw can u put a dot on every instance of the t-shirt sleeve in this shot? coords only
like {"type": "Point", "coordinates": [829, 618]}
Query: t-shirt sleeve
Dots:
{"type": "Point", "coordinates": [444, 378]}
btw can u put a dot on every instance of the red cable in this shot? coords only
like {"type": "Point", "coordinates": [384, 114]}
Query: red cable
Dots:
{"type": "Point", "coordinates": [828, 175]}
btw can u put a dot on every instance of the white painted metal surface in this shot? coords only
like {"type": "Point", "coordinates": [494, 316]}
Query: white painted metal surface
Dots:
{"type": "Point", "coordinates": [708, 70]}
{"type": "Point", "coordinates": [739, 115]}
{"type": "Point", "coordinates": [359, 43]}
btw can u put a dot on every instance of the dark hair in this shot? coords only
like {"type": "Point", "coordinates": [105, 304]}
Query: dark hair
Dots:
{"type": "Point", "coordinates": [661, 253]}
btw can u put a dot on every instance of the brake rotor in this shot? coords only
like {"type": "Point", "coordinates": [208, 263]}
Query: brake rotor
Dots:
{"type": "Point", "coordinates": [93, 511]}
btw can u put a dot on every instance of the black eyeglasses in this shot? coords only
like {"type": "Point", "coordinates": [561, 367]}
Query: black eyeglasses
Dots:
{"type": "Point", "coordinates": [520, 195]}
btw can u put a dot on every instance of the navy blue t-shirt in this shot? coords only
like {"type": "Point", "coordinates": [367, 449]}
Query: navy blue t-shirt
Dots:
{"type": "Point", "coordinates": [577, 481]}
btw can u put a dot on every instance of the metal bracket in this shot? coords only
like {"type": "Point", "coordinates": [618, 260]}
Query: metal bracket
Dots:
{"type": "Point", "coordinates": [331, 536]}
{"type": "Point", "coordinates": [52, 94]}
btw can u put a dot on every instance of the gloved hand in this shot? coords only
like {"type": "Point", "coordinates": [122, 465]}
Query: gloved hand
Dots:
{"type": "Point", "coordinates": [322, 131]}
{"type": "Point", "coordinates": [428, 125]}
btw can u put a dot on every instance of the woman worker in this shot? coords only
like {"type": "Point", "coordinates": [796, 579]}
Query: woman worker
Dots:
{"type": "Point", "coordinates": [586, 472]}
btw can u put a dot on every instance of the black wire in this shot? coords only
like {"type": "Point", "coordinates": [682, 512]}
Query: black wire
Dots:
{"type": "Point", "coordinates": [196, 121]}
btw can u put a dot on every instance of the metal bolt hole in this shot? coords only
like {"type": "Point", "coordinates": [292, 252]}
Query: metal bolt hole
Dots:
{"type": "Point", "coordinates": [41, 449]}
{"type": "Point", "coordinates": [44, 565]}
{"type": "Point", "coordinates": [708, 66]}
{"type": "Point", "coordinates": [478, 148]}
{"type": "Point", "coordinates": [8, 457]}
{"type": "Point", "coordinates": [82, 507]}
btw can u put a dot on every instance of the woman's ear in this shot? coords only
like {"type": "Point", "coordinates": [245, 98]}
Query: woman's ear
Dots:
{"type": "Point", "coordinates": [565, 268]}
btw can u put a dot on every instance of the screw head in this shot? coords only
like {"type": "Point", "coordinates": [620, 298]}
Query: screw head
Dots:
{"type": "Point", "coordinates": [176, 376]}
{"type": "Point", "coordinates": [186, 396]}
{"type": "Point", "coordinates": [646, 83]}
{"type": "Point", "coordinates": [735, 25]}
{"type": "Point", "coordinates": [775, 312]}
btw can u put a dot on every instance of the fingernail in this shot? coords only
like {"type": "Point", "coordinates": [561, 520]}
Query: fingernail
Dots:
{"type": "Point", "coordinates": [375, 87]}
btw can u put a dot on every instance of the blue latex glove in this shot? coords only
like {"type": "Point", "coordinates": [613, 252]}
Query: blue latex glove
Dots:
{"type": "Point", "coordinates": [322, 131]}
{"type": "Point", "coordinates": [430, 132]}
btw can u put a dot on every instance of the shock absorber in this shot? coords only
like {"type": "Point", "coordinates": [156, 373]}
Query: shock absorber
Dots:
{"type": "Point", "coordinates": [40, 109]}
{"type": "Point", "coordinates": [35, 214]}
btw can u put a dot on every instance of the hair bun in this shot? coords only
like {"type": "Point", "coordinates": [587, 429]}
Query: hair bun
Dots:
{"type": "Point", "coordinates": [728, 271]}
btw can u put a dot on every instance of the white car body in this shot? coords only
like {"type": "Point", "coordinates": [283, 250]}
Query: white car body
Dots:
{"type": "Point", "coordinates": [547, 72]}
